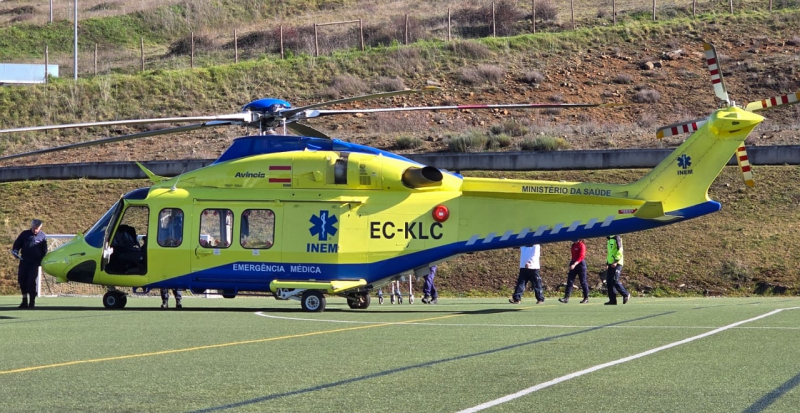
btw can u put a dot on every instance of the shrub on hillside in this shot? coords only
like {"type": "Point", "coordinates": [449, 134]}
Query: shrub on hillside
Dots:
{"type": "Point", "coordinates": [469, 49]}
{"type": "Point", "coordinates": [535, 77]}
{"type": "Point", "coordinates": [389, 84]}
{"type": "Point", "coordinates": [546, 11]}
{"type": "Point", "coordinates": [472, 141]}
{"type": "Point", "coordinates": [646, 96]}
{"type": "Point", "coordinates": [345, 84]}
{"type": "Point", "coordinates": [482, 74]}
{"type": "Point", "coordinates": [183, 46]}
{"type": "Point", "coordinates": [408, 142]}
{"type": "Point", "coordinates": [544, 143]}
{"type": "Point", "coordinates": [508, 127]}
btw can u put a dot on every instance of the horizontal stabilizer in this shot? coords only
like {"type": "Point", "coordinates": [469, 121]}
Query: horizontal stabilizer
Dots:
{"type": "Point", "coordinates": [654, 210]}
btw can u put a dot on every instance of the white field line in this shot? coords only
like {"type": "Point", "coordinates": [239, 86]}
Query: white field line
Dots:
{"type": "Point", "coordinates": [570, 376]}
{"type": "Point", "coordinates": [261, 314]}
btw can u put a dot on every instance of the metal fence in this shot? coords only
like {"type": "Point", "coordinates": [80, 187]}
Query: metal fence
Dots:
{"type": "Point", "coordinates": [477, 19]}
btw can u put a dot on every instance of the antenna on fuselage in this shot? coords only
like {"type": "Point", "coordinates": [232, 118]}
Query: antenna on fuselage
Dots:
{"type": "Point", "coordinates": [175, 185]}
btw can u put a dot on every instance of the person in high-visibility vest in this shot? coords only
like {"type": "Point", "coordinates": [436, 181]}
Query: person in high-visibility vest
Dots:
{"type": "Point", "coordinates": [615, 260]}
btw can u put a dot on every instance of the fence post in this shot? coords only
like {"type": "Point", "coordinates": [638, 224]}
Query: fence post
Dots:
{"type": "Point", "coordinates": [770, 6]}
{"type": "Point", "coordinates": [191, 63]}
{"type": "Point", "coordinates": [235, 47]}
{"type": "Point", "coordinates": [406, 31]}
{"type": "Point", "coordinates": [51, 11]}
{"type": "Point", "coordinates": [572, 11]}
{"type": "Point", "coordinates": [614, 11]}
{"type": "Point", "coordinates": [46, 60]}
{"type": "Point", "coordinates": [449, 24]}
{"type": "Point", "coordinates": [95, 59]}
{"type": "Point", "coordinates": [694, 8]}
{"type": "Point", "coordinates": [282, 42]}
{"type": "Point", "coordinates": [654, 10]}
{"type": "Point", "coordinates": [316, 41]}
{"type": "Point", "coordinates": [533, 13]}
{"type": "Point", "coordinates": [494, 22]}
{"type": "Point", "coordinates": [731, 3]}
{"type": "Point", "coordinates": [142, 54]}
{"type": "Point", "coordinates": [361, 32]}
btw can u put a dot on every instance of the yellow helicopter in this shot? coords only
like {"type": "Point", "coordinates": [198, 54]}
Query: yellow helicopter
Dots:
{"type": "Point", "coordinates": [301, 217]}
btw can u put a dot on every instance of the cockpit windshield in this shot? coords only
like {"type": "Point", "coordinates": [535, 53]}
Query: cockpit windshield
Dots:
{"type": "Point", "coordinates": [96, 234]}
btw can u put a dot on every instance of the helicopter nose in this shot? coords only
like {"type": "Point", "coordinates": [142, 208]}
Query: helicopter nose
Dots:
{"type": "Point", "coordinates": [69, 262]}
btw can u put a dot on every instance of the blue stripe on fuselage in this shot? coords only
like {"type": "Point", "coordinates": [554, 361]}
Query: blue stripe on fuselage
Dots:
{"type": "Point", "coordinates": [250, 276]}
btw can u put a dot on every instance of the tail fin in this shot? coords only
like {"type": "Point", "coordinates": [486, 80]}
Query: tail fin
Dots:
{"type": "Point", "coordinates": [683, 178]}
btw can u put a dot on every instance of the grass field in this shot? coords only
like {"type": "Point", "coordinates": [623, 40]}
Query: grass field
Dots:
{"type": "Point", "coordinates": [704, 354]}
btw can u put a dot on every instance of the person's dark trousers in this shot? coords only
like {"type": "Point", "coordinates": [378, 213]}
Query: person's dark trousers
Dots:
{"type": "Point", "coordinates": [613, 284]}
{"type": "Point", "coordinates": [579, 269]}
{"type": "Point", "coordinates": [528, 275]}
{"type": "Point", "coordinates": [428, 287]}
{"type": "Point", "coordinates": [26, 276]}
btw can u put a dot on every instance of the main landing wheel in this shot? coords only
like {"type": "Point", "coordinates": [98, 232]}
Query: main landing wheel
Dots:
{"type": "Point", "coordinates": [313, 301]}
{"type": "Point", "coordinates": [361, 302]}
{"type": "Point", "coordinates": [114, 300]}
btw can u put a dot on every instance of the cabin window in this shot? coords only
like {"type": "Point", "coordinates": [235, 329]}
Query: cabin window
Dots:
{"type": "Point", "coordinates": [258, 229]}
{"type": "Point", "coordinates": [170, 227]}
{"type": "Point", "coordinates": [216, 228]}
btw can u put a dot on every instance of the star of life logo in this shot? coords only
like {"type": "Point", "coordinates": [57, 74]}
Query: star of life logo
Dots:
{"type": "Point", "coordinates": [323, 225]}
{"type": "Point", "coordinates": [684, 162]}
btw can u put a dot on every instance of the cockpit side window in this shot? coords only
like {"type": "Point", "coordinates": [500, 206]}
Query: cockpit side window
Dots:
{"type": "Point", "coordinates": [170, 227]}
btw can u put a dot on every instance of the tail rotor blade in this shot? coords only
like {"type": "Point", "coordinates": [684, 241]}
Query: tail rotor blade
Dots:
{"type": "Point", "coordinates": [678, 128]}
{"type": "Point", "coordinates": [716, 74]}
{"type": "Point", "coordinates": [772, 102]}
{"type": "Point", "coordinates": [744, 165]}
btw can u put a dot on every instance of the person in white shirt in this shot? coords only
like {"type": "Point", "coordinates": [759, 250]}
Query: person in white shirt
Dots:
{"type": "Point", "coordinates": [528, 271]}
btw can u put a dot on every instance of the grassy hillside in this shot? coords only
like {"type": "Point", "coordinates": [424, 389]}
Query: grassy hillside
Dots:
{"type": "Point", "coordinates": [745, 248]}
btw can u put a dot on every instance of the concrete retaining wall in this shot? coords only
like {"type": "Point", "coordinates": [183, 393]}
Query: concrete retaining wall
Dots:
{"type": "Point", "coordinates": [497, 161]}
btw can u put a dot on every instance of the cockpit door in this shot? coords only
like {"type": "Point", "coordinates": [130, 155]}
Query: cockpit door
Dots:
{"type": "Point", "coordinates": [112, 223]}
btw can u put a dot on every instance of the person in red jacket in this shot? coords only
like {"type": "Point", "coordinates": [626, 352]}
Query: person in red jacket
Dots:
{"type": "Point", "coordinates": [577, 266]}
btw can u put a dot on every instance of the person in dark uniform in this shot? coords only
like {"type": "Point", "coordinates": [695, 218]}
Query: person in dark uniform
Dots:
{"type": "Point", "coordinates": [165, 298]}
{"type": "Point", "coordinates": [615, 260]}
{"type": "Point", "coordinates": [30, 248]}
{"type": "Point", "coordinates": [528, 272]}
{"type": "Point", "coordinates": [577, 266]}
{"type": "Point", "coordinates": [429, 289]}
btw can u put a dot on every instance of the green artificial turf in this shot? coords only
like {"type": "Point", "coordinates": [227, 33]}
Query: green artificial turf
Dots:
{"type": "Point", "coordinates": [259, 355]}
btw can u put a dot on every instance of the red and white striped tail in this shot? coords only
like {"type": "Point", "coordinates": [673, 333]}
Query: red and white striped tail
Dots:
{"type": "Point", "coordinates": [789, 99]}
{"type": "Point", "coordinates": [716, 75]}
{"type": "Point", "coordinates": [678, 128]}
{"type": "Point", "coordinates": [744, 165]}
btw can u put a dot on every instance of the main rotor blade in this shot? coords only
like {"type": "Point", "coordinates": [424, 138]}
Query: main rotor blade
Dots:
{"type": "Point", "coordinates": [116, 139]}
{"type": "Point", "coordinates": [320, 113]}
{"type": "Point", "coordinates": [772, 102]}
{"type": "Point", "coordinates": [716, 75]}
{"type": "Point", "coordinates": [235, 118]}
{"type": "Point", "coordinates": [291, 112]}
{"type": "Point", "coordinates": [744, 164]}
{"type": "Point", "coordinates": [306, 130]}
{"type": "Point", "coordinates": [680, 127]}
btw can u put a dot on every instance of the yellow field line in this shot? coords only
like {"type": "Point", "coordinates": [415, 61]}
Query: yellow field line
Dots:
{"type": "Point", "coordinates": [211, 346]}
